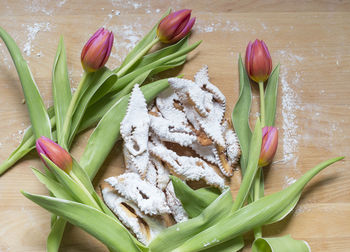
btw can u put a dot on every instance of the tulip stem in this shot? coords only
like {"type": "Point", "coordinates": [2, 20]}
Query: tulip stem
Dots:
{"type": "Point", "coordinates": [262, 103]}
{"type": "Point", "coordinates": [258, 177]}
{"type": "Point", "coordinates": [138, 56]}
{"type": "Point", "coordinates": [63, 139]}
{"type": "Point", "coordinates": [257, 230]}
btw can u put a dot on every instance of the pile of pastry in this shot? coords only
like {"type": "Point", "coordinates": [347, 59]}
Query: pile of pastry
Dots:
{"type": "Point", "coordinates": [183, 133]}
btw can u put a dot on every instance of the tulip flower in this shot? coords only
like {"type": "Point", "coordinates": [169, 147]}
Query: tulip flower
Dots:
{"type": "Point", "coordinates": [268, 145]}
{"type": "Point", "coordinates": [55, 153]}
{"type": "Point", "coordinates": [97, 50]}
{"type": "Point", "coordinates": [175, 26]}
{"type": "Point", "coordinates": [258, 61]}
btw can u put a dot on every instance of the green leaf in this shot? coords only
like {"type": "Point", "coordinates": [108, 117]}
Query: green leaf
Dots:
{"type": "Point", "coordinates": [251, 216]}
{"type": "Point", "coordinates": [271, 97]}
{"type": "Point", "coordinates": [235, 244]}
{"type": "Point", "coordinates": [285, 211]}
{"type": "Point", "coordinates": [164, 52]}
{"type": "Point", "coordinates": [27, 144]}
{"type": "Point", "coordinates": [252, 167]}
{"type": "Point", "coordinates": [193, 201]}
{"type": "Point", "coordinates": [123, 81]}
{"type": "Point", "coordinates": [103, 78]}
{"type": "Point", "coordinates": [103, 227]}
{"type": "Point", "coordinates": [151, 35]}
{"type": "Point", "coordinates": [57, 189]}
{"type": "Point", "coordinates": [284, 243]}
{"type": "Point", "coordinates": [37, 111]}
{"type": "Point", "coordinates": [55, 236]}
{"type": "Point", "coordinates": [240, 114]}
{"type": "Point", "coordinates": [107, 131]}
{"type": "Point", "coordinates": [177, 234]}
{"type": "Point", "coordinates": [77, 190]}
{"type": "Point", "coordinates": [60, 88]}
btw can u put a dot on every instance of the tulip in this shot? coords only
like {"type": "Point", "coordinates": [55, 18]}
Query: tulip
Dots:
{"type": "Point", "coordinates": [258, 61]}
{"type": "Point", "coordinates": [268, 145]}
{"type": "Point", "coordinates": [175, 26]}
{"type": "Point", "coordinates": [97, 50]}
{"type": "Point", "coordinates": [59, 156]}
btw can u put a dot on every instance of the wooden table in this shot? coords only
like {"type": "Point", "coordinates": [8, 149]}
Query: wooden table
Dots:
{"type": "Point", "coordinates": [311, 41]}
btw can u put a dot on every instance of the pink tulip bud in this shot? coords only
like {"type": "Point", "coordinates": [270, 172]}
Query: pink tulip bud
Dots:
{"type": "Point", "coordinates": [268, 145]}
{"type": "Point", "coordinates": [55, 153]}
{"type": "Point", "coordinates": [97, 50]}
{"type": "Point", "coordinates": [258, 61]}
{"type": "Point", "coordinates": [175, 26]}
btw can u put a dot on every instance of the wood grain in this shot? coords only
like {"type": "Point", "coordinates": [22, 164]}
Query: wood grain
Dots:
{"type": "Point", "coordinates": [311, 40]}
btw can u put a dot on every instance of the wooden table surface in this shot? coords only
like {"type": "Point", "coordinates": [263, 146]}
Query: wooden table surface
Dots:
{"type": "Point", "coordinates": [310, 39]}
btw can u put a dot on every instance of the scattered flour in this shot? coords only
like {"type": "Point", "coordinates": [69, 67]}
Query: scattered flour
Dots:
{"type": "Point", "coordinates": [218, 24]}
{"type": "Point", "coordinates": [128, 36]}
{"type": "Point", "coordinates": [32, 31]}
{"type": "Point", "coordinates": [61, 3]}
{"type": "Point", "coordinates": [288, 181]}
{"type": "Point", "coordinates": [3, 56]}
{"type": "Point", "coordinates": [290, 104]}
{"type": "Point", "coordinates": [35, 6]}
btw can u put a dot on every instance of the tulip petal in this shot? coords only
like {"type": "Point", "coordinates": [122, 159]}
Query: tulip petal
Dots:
{"type": "Point", "coordinates": [97, 50]}
{"type": "Point", "coordinates": [184, 32]}
{"type": "Point", "coordinates": [173, 25]}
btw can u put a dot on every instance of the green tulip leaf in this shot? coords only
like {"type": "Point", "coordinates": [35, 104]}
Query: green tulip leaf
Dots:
{"type": "Point", "coordinates": [57, 189]}
{"type": "Point", "coordinates": [78, 191]}
{"type": "Point", "coordinates": [177, 234]}
{"type": "Point", "coordinates": [55, 236]}
{"type": "Point", "coordinates": [285, 211]}
{"type": "Point", "coordinates": [253, 215]}
{"type": "Point", "coordinates": [271, 97]}
{"type": "Point", "coordinates": [276, 244]}
{"type": "Point", "coordinates": [37, 111]}
{"type": "Point", "coordinates": [105, 228]}
{"type": "Point", "coordinates": [252, 167]}
{"type": "Point", "coordinates": [240, 114]}
{"type": "Point", "coordinates": [123, 81]}
{"type": "Point", "coordinates": [60, 88]}
{"type": "Point", "coordinates": [193, 201]}
{"type": "Point", "coordinates": [164, 52]}
{"type": "Point", "coordinates": [27, 144]}
{"type": "Point", "coordinates": [235, 244]}
{"type": "Point", "coordinates": [103, 78]}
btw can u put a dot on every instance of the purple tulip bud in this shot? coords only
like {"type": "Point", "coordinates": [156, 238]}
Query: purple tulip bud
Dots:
{"type": "Point", "coordinates": [97, 50]}
{"type": "Point", "coordinates": [55, 153]}
{"type": "Point", "coordinates": [175, 26]}
{"type": "Point", "coordinates": [268, 145]}
{"type": "Point", "coordinates": [258, 61]}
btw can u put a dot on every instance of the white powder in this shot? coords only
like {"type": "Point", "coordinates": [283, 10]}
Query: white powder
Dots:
{"type": "Point", "coordinates": [218, 24]}
{"type": "Point", "coordinates": [3, 56]}
{"type": "Point", "coordinates": [32, 31]}
{"type": "Point", "coordinates": [300, 209]}
{"type": "Point", "coordinates": [128, 36]}
{"type": "Point", "coordinates": [290, 105]}
{"type": "Point", "coordinates": [61, 3]}
{"type": "Point", "coordinates": [35, 6]}
{"type": "Point", "coordinates": [288, 181]}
